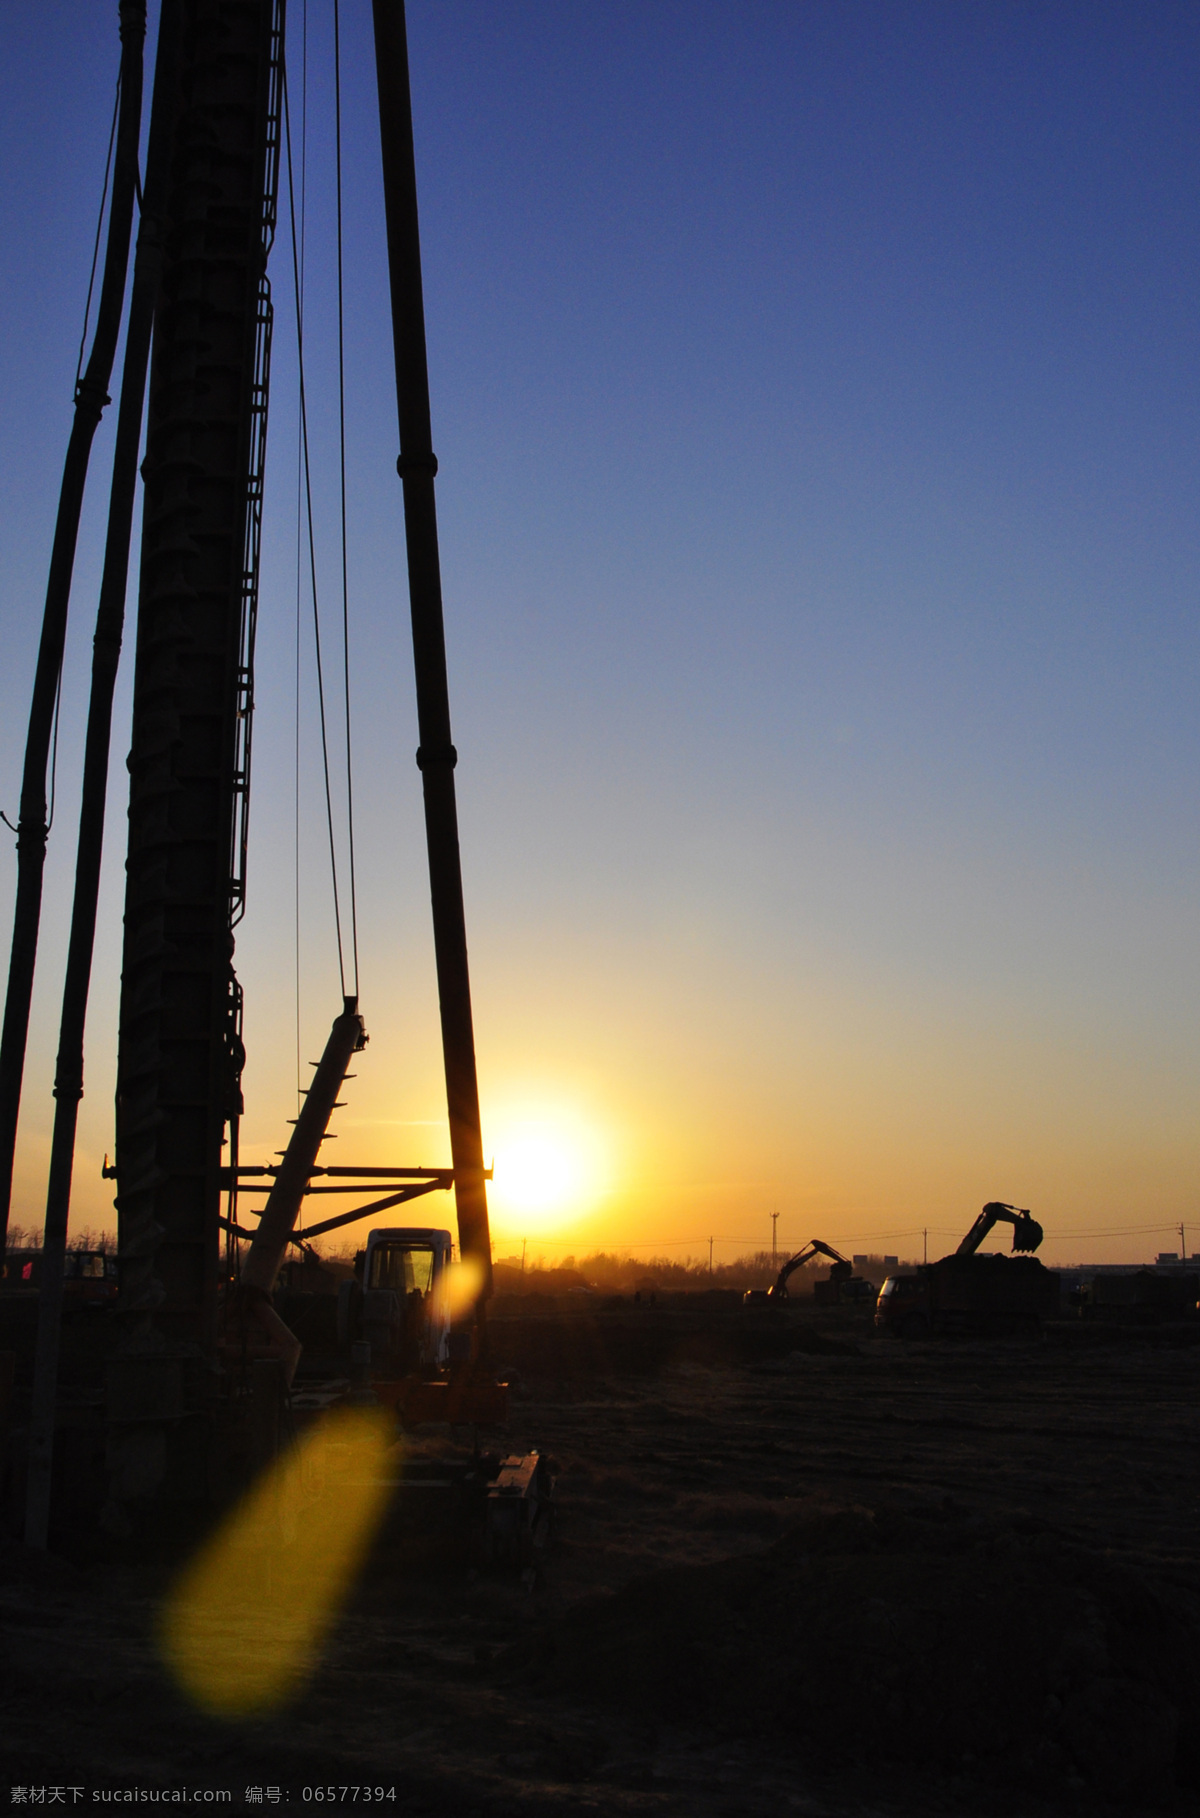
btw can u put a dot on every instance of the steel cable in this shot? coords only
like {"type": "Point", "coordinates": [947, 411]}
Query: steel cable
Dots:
{"type": "Point", "coordinates": [337, 95]}
{"type": "Point", "coordinates": [87, 308]}
{"type": "Point", "coordinates": [312, 556]}
{"type": "Point", "coordinates": [299, 536]}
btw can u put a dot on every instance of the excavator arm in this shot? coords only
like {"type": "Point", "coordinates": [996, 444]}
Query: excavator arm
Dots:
{"type": "Point", "coordinates": [814, 1247]}
{"type": "Point", "coordinates": [1027, 1233]}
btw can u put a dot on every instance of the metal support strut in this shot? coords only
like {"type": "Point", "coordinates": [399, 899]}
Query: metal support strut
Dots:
{"type": "Point", "coordinates": [91, 396]}
{"type": "Point", "coordinates": [110, 619]}
{"type": "Point", "coordinates": [275, 1227]}
{"type": "Point", "coordinates": [437, 757]}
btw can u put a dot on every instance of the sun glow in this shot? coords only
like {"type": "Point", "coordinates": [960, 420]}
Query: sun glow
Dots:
{"type": "Point", "coordinates": [549, 1169]}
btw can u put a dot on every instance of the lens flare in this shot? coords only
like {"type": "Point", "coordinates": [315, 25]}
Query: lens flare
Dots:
{"type": "Point", "coordinates": [242, 1628]}
{"type": "Point", "coordinates": [462, 1282]}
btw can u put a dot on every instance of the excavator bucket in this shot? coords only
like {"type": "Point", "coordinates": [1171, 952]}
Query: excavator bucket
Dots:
{"type": "Point", "coordinates": [1027, 1233]}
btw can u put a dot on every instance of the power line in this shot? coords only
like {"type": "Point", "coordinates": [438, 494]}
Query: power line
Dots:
{"type": "Point", "coordinates": [755, 1244]}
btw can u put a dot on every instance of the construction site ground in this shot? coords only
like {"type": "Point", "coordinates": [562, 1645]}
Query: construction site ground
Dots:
{"type": "Point", "coordinates": [796, 1569]}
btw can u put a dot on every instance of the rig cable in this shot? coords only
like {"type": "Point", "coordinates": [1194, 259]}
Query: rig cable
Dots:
{"type": "Point", "coordinates": [54, 752]}
{"type": "Point", "coordinates": [337, 101]}
{"type": "Point", "coordinates": [299, 539]}
{"type": "Point", "coordinates": [87, 308]}
{"type": "Point", "coordinates": [312, 557]}
{"type": "Point", "coordinates": [53, 761]}
{"type": "Point", "coordinates": [87, 317]}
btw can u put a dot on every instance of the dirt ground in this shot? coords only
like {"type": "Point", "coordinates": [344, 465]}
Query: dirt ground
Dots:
{"type": "Point", "coordinates": [796, 1569]}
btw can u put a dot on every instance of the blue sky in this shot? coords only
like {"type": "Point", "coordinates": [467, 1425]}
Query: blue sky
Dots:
{"type": "Point", "coordinates": [814, 388]}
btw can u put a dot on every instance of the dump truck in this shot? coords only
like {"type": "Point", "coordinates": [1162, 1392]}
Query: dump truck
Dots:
{"type": "Point", "coordinates": [970, 1293]}
{"type": "Point", "coordinates": [1143, 1297]}
{"type": "Point", "coordinates": [840, 1285]}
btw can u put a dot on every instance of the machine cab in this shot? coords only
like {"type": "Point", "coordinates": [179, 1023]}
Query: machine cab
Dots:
{"type": "Point", "coordinates": [406, 1313]}
{"type": "Point", "coordinates": [899, 1297]}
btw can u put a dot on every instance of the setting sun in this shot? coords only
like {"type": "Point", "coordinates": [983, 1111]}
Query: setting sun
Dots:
{"type": "Point", "coordinates": [540, 1170]}
{"type": "Point", "coordinates": [548, 1169]}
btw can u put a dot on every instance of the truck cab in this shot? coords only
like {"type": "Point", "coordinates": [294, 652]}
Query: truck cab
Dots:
{"type": "Point", "coordinates": [903, 1306]}
{"type": "Point", "coordinates": [398, 1300]}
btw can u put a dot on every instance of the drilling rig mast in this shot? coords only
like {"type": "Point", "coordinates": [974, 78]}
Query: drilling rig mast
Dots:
{"type": "Point", "coordinates": [179, 1053]}
{"type": "Point", "coordinates": [213, 174]}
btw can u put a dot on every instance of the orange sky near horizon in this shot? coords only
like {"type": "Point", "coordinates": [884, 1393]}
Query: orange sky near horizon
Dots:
{"type": "Point", "coordinates": [815, 403]}
{"type": "Point", "coordinates": [656, 1151]}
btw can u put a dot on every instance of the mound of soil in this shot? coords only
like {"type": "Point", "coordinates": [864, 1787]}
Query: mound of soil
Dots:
{"type": "Point", "coordinates": [926, 1638]}
{"type": "Point", "coordinates": [545, 1342]}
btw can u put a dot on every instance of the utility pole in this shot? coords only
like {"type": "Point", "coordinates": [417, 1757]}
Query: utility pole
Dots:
{"type": "Point", "coordinates": [774, 1238]}
{"type": "Point", "coordinates": [524, 1241]}
{"type": "Point", "coordinates": [710, 1245]}
{"type": "Point", "coordinates": [925, 1241]}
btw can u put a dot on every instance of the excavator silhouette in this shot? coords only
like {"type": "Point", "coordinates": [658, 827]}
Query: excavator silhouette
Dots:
{"type": "Point", "coordinates": [966, 1292]}
{"type": "Point", "coordinates": [841, 1284]}
{"type": "Point", "coordinates": [1027, 1233]}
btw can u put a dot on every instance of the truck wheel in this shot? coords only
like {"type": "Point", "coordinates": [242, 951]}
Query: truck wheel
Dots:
{"type": "Point", "coordinates": [915, 1326]}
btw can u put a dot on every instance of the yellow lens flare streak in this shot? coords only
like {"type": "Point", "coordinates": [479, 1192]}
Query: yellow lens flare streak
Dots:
{"type": "Point", "coordinates": [461, 1285]}
{"type": "Point", "coordinates": [242, 1628]}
